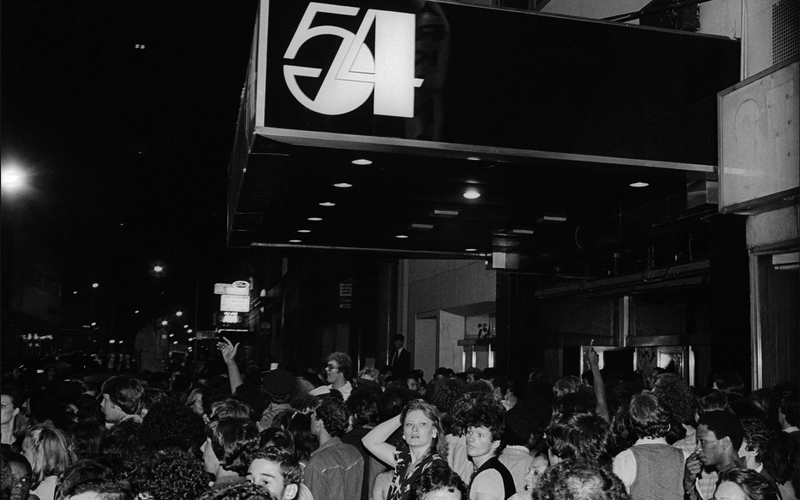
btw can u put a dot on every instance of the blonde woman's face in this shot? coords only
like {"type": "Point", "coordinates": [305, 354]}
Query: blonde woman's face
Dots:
{"type": "Point", "coordinates": [418, 429]}
{"type": "Point", "coordinates": [29, 451]}
{"type": "Point", "coordinates": [538, 468]}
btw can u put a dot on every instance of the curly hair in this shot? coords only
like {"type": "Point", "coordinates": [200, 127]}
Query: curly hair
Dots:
{"type": "Point", "coordinates": [754, 485]}
{"type": "Point", "coordinates": [334, 415]}
{"type": "Point", "coordinates": [120, 445]}
{"type": "Point", "coordinates": [648, 417]}
{"type": "Point", "coordinates": [85, 438]}
{"type": "Point", "coordinates": [756, 436]}
{"type": "Point", "coordinates": [83, 476]}
{"type": "Point", "coordinates": [239, 491]}
{"type": "Point", "coordinates": [579, 436]}
{"type": "Point", "coordinates": [169, 424]}
{"type": "Point", "coordinates": [231, 440]}
{"type": "Point", "coordinates": [443, 393]}
{"type": "Point", "coordinates": [290, 467]}
{"type": "Point", "coordinates": [567, 385]}
{"type": "Point", "coordinates": [580, 480]}
{"type": "Point", "coordinates": [344, 362]}
{"type": "Point", "coordinates": [439, 476]}
{"type": "Point", "coordinates": [170, 475]}
{"type": "Point", "coordinates": [723, 424]}
{"type": "Point", "coordinates": [675, 394]}
{"type": "Point", "coordinates": [439, 443]}
{"type": "Point", "coordinates": [486, 412]}
{"type": "Point", "coordinates": [729, 383]}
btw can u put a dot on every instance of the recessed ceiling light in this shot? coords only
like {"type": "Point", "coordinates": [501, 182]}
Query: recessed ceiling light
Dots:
{"type": "Point", "coordinates": [295, 241]}
{"type": "Point", "coordinates": [421, 227]}
{"type": "Point", "coordinates": [303, 230]}
{"type": "Point", "coordinates": [552, 218]}
{"type": "Point", "coordinates": [315, 219]}
{"type": "Point", "coordinates": [522, 231]}
{"type": "Point", "coordinates": [401, 236]}
{"type": "Point", "coordinates": [473, 158]}
{"type": "Point", "coordinates": [342, 185]}
{"type": "Point", "coordinates": [470, 249]}
{"type": "Point", "coordinates": [327, 204]}
{"type": "Point", "coordinates": [639, 184]}
{"type": "Point", "coordinates": [439, 212]}
{"type": "Point", "coordinates": [471, 194]}
{"type": "Point", "coordinates": [361, 161]}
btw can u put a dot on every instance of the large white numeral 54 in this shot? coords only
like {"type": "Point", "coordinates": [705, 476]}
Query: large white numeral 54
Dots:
{"type": "Point", "coordinates": [354, 72]}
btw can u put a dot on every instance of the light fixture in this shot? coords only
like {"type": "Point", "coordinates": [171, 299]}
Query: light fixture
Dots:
{"type": "Point", "coordinates": [421, 227]}
{"type": "Point", "coordinates": [639, 184]}
{"type": "Point", "coordinates": [470, 249]}
{"type": "Point", "coordinates": [552, 218]}
{"type": "Point", "coordinates": [343, 185]}
{"type": "Point", "coordinates": [303, 230]}
{"type": "Point", "coordinates": [95, 285]}
{"type": "Point", "coordinates": [295, 241]}
{"type": "Point", "coordinates": [473, 158]}
{"type": "Point", "coordinates": [522, 231]}
{"type": "Point", "coordinates": [327, 204]}
{"type": "Point", "coordinates": [361, 161]}
{"type": "Point", "coordinates": [401, 236]}
{"type": "Point", "coordinates": [315, 219]}
{"type": "Point", "coordinates": [471, 194]}
{"type": "Point", "coordinates": [439, 212]}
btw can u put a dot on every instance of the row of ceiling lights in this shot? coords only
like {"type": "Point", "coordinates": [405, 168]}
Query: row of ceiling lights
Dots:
{"type": "Point", "coordinates": [470, 194]}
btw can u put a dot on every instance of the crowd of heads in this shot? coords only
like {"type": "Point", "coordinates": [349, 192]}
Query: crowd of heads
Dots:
{"type": "Point", "coordinates": [132, 436]}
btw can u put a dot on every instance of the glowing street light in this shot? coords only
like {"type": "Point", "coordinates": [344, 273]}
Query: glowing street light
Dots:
{"type": "Point", "coordinates": [158, 269]}
{"type": "Point", "coordinates": [12, 179]}
{"type": "Point", "coordinates": [179, 313]}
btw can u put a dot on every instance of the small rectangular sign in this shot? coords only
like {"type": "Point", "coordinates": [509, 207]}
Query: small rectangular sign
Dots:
{"type": "Point", "coordinates": [234, 303]}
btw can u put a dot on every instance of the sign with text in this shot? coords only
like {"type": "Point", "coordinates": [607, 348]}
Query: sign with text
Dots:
{"type": "Point", "coordinates": [234, 303]}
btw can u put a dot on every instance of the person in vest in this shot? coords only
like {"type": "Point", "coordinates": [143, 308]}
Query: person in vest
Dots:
{"type": "Point", "coordinates": [491, 480]}
{"type": "Point", "coordinates": [651, 468]}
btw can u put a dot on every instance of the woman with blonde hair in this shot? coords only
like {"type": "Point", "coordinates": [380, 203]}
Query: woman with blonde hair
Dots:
{"type": "Point", "coordinates": [424, 444]}
{"type": "Point", "coordinates": [46, 449]}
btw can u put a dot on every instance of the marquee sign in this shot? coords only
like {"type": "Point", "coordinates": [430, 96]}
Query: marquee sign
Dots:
{"type": "Point", "coordinates": [355, 72]}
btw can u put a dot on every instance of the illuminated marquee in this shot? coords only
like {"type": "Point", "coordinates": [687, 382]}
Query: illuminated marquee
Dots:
{"type": "Point", "coordinates": [355, 72]}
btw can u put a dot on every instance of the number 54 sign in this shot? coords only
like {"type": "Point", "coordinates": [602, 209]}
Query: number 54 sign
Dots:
{"type": "Point", "coordinates": [355, 72]}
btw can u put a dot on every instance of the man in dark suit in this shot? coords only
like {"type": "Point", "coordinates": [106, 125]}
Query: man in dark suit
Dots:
{"type": "Point", "coordinates": [400, 361]}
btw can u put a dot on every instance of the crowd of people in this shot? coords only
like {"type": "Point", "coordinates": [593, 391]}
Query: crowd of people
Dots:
{"type": "Point", "coordinates": [216, 431]}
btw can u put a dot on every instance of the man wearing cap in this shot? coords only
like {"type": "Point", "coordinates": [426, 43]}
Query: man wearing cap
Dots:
{"type": "Point", "coordinates": [279, 386]}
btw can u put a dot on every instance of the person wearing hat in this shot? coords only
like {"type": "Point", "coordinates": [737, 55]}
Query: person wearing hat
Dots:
{"type": "Point", "coordinates": [279, 385]}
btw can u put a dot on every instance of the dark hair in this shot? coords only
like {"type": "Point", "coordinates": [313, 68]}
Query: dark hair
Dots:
{"type": "Point", "coordinates": [238, 491]}
{"type": "Point", "coordinates": [125, 392]}
{"type": "Point", "coordinates": [723, 424]}
{"type": "Point", "coordinates": [170, 475]}
{"type": "Point", "coordinates": [754, 485]}
{"type": "Point", "coordinates": [439, 476]}
{"type": "Point", "coordinates": [579, 436]}
{"type": "Point", "coordinates": [290, 467]}
{"type": "Point", "coordinates": [275, 437]}
{"type": "Point", "coordinates": [299, 425]}
{"type": "Point", "coordinates": [729, 383]}
{"type": "Point", "coordinates": [344, 362]}
{"type": "Point", "coordinates": [781, 457]}
{"type": "Point", "coordinates": [399, 337]}
{"type": "Point", "coordinates": [790, 407]}
{"type": "Point", "coordinates": [363, 405]}
{"type": "Point", "coordinates": [445, 392]}
{"type": "Point", "coordinates": [580, 480]}
{"type": "Point", "coordinates": [170, 424]}
{"type": "Point", "coordinates": [253, 396]}
{"type": "Point", "coordinates": [82, 476]}
{"type": "Point", "coordinates": [647, 416]}
{"type": "Point", "coordinates": [85, 438]}
{"type": "Point", "coordinates": [756, 436]}
{"type": "Point", "coordinates": [489, 413]}
{"type": "Point", "coordinates": [713, 401]}
{"type": "Point", "coordinates": [676, 395]}
{"type": "Point", "coordinates": [121, 444]}
{"type": "Point", "coordinates": [231, 440]}
{"type": "Point", "coordinates": [334, 415]}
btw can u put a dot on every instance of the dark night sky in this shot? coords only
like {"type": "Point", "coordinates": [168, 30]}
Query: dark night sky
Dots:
{"type": "Point", "coordinates": [129, 148]}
